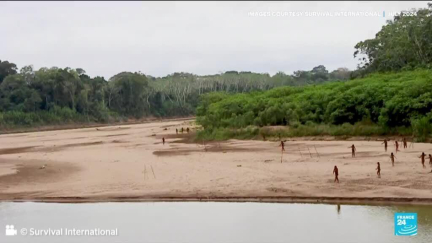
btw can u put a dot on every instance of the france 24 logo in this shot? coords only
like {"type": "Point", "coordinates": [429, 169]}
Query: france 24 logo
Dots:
{"type": "Point", "coordinates": [406, 224]}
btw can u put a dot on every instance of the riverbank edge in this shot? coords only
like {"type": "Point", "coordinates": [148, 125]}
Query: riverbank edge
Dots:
{"type": "Point", "coordinates": [384, 201]}
{"type": "Point", "coordinates": [90, 125]}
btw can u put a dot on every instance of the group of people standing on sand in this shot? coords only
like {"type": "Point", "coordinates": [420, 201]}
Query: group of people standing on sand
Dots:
{"type": "Point", "coordinates": [405, 145]}
{"type": "Point", "coordinates": [336, 172]}
{"type": "Point", "coordinates": [392, 157]}
{"type": "Point", "coordinates": [423, 156]}
{"type": "Point", "coordinates": [404, 141]}
{"type": "Point", "coordinates": [177, 131]}
{"type": "Point", "coordinates": [182, 130]}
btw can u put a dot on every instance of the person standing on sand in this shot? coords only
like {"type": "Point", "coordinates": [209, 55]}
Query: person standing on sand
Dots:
{"type": "Point", "coordinates": [405, 143]}
{"type": "Point", "coordinates": [353, 150]}
{"type": "Point", "coordinates": [181, 130]}
{"type": "Point", "coordinates": [187, 129]}
{"type": "Point", "coordinates": [430, 161]}
{"type": "Point", "coordinates": [163, 141]}
{"type": "Point", "coordinates": [282, 144]}
{"type": "Point", "coordinates": [176, 131]}
{"type": "Point", "coordinates": [378, 169]}
{"type": "Point", "coordinates": [397, 146]}
{"type": "Point", "coordinates": [385, 144]}
{"type": "Point", "coordinates": [392, 157]}
{"type": "Point", "coordinates": [422, 156]}
{"type": "Point", "coordinates": [336, 174]}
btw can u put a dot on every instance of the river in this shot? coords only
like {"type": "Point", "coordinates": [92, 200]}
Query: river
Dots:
{"type": "Point", "coordinates": [208, 222]}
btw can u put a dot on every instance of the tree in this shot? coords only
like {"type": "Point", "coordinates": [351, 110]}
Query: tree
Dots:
{"type": "Point", "coordinates": [302, 76]}
{"type": "Point", "coordinates": [403, 43]}
{"type": "Point", "coordinates": [342, 73]}
{"type": "Point", "coordinates": [130, 93]}
{"type": "Point", "coordinates": [33, 101]}
{"type": "Point", "coordinates": [319, 74]}
{"type": "Point", "coordinates": [28, 73]}
{"type": "Point", "coordinates": [18, 95]}
{"type": "Point", "coordinates": [6, 69]}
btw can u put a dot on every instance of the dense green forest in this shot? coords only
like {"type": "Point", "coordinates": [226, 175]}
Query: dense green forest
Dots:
{"type": "Point", "coordinates": [379, 104]}
{"type": "Point", "coordinates": [54, 95]}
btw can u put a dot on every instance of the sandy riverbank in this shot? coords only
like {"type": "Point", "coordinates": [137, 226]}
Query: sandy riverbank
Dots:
{"type": "Point", "coordinates": [130, 163]}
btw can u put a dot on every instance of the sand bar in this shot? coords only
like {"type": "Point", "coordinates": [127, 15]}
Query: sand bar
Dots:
{"type": "Point", "coordinates": [130, 163]}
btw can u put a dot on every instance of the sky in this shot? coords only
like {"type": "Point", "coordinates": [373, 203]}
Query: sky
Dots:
{"type": "Point", "coordinates": [160, 38]}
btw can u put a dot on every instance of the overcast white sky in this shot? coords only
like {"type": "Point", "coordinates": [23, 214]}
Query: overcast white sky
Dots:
{"type": "Point", "coordinates": [159, 38]}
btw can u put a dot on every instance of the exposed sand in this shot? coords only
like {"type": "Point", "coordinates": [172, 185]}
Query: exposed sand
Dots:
{"type": "Point", "coordinates": [129, 163]}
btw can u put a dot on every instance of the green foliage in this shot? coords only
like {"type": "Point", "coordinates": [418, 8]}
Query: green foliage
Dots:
{"type": "Point", "coordinates": [131, 91]}
{"type": "Point", "coordinates": [52, 96]}
{"type": "Point", "coordinates": [221, 134]}
{"type": "Point", "coordinates": [403, 44]}
{"type": "Point", "coordinates": [422, 127]}
{"type": "Point", "coordinates": [134, 94]}
{"type": "Point", "coordinates": [378, 105]}
{"type": "Point", "coordinates": [6, 69]}
{"type": "Point", "coordinates": [344, 130]}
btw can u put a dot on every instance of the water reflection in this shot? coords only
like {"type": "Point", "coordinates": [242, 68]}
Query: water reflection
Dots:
{"type": "Point", "coordinates": [215, 222]}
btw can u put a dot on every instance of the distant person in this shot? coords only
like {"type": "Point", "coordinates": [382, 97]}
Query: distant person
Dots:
{"type": "Point", "coordinates": [405, 143]}
{"type": "Point", "coordinates": [392, 157]}
{"type": "Point", "coordinates": [163, 141]}
{"type": "Point", "coordinates": [282, 144]}
{"type": "Point", "coordinates": [422, 156]}
{"type": "Point", "coordinates": [353, 150]}
{"type": "Point", "coordinates": [430, 161]}
{"type": "Point", "coordinates": [187, 130]}
{"type": "Point", "coordinates": [378, 169]}
{"type": "Point", "coordinates": [176, 131]}
{"type": "Point", "coordinates": [397, 146]}
{"type": "Point", "coordinates": [385, 144]}
{"type": "Point", "coordinates": [181, 130]}
{"type": "Point", "coordinates": [336, 174]}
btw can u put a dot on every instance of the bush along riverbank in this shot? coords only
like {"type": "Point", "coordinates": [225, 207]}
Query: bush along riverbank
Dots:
{"type": "Point", "coordinates": [377, 105]}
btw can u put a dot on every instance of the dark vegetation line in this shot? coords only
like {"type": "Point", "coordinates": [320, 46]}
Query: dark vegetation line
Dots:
{"type": "Point", "coordinates": [315, 101]}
